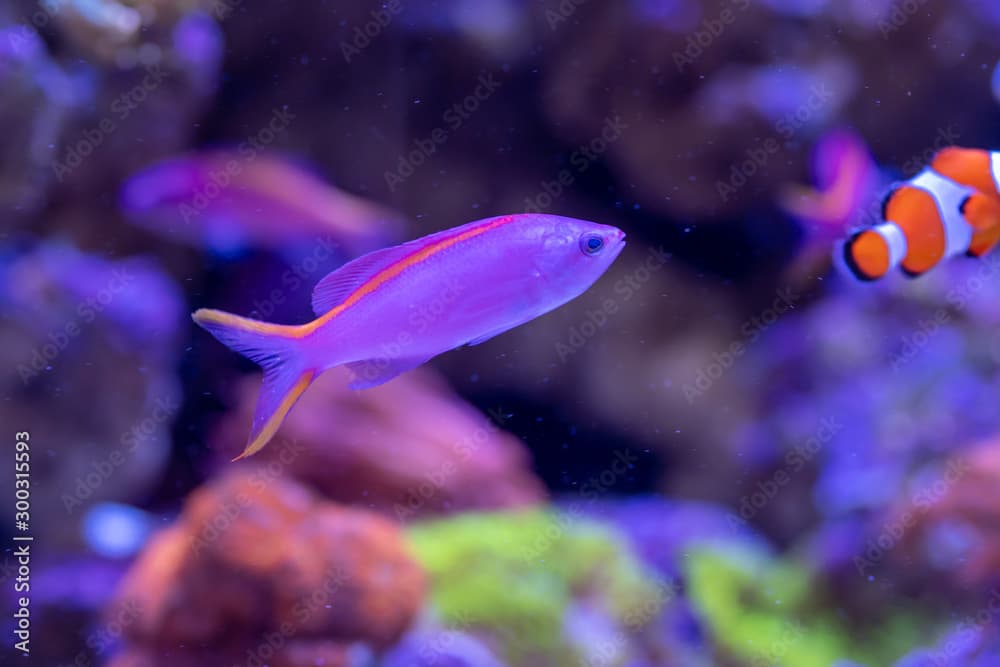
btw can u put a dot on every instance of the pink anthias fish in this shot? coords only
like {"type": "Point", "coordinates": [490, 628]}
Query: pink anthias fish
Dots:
{"type": "Point", "coordinates": [393, 309]}
{"type": "Point", "coordinates": [847, 182]}
{"type": "Point", "coordinates": [846, 176]}
{"type": "Point", "coordinates": [228, 200]}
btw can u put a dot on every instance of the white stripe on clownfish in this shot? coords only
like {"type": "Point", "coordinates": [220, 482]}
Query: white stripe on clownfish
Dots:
{"type": "Point", "coordinates": [948, 196]}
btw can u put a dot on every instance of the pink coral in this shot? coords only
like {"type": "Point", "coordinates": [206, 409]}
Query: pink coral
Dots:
{"type": "Point", "coordinates": [409, 447]}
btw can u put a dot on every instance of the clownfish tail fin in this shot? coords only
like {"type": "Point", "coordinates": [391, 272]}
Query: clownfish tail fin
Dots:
{"type": "Point", "coordinates": [983, 215]}
{"type": "Point", "coordinates": [872, 253]}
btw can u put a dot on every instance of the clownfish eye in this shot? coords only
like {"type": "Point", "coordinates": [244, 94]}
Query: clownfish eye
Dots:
{"type": "Point", "coordinates": [591, 244]}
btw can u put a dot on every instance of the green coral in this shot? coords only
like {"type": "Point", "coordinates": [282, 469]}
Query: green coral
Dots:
{"type": "Point", "coordinates": [767, 611]}
{"type": "Point", "coordinates": [514, 575]}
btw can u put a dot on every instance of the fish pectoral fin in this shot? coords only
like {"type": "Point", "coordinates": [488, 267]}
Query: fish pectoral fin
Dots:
{"type": "Point", "coordinates": [373, 372]}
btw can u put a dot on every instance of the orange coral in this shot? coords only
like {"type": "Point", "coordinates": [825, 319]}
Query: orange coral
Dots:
{"type": "Point", "coordinates": [259, 566]}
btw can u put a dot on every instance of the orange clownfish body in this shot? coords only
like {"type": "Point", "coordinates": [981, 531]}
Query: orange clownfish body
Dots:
{"type": "Point", "coordinates": [950, 208]}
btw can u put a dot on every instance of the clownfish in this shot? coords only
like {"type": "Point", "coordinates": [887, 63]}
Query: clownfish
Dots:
{"type": "Point", "coordinates": [950, 208]}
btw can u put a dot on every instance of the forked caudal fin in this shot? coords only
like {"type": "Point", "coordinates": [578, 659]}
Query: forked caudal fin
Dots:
{"type": "Point", "coordinates": [278, 351]}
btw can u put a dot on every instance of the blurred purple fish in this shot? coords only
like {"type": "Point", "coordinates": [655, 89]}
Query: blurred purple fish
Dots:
{"type": "Point", "coordinates": [392, 310]}
{"type": "Point", "coordinates": [847, 181]}
{"type": "Point", "coordinates": [230, 200]}
{"type": "Point", "coordinates": [846, 177]}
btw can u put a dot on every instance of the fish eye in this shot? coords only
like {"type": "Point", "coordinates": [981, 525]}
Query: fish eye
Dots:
{"type": "Point", "coordinates": [591, 244]}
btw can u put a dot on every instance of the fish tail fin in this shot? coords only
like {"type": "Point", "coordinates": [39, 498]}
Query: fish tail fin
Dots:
{"type": "Point", "coordinates": [873, 252]}
{"type": "Point", "coordinates": [279, 351]}
{"type": "Point", "coordinates": [983, 215]}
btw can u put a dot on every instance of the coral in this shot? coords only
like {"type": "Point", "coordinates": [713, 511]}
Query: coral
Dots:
{"type": "Point", "coordinates": [109, 421]}
{"type": "Point", "coordinates": [972, 644]}
{"type": "Point", "coordinates": [764, 611]}
{"type": "Point", "coordinates": [951, 513]}
{"type": "Point", "coordinates": [523, 579]}
{"type": "Point", "coordinates": [904, 359]}
{"type": "Point", "coordinates": [440, 648]}
{"type": "Point", "coordinates": [37, 100]}
{"type": "Point", "coordinates": [661, 530]}
{"type": "Point", "coordinates": [257, 563]}
{"type": "Point", "coordinates": [409, 448]}
{"type": "Point", "coordinates": [294, 653]}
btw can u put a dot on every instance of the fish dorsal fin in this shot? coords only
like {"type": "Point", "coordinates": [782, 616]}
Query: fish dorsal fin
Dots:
{"type": "Point", "coordinates": [339, 284]}
{"type": "Point", "coordinates": [334, 289]}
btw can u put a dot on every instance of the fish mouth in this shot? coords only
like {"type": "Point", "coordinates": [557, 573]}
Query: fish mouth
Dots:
{"type": "Point", "coordinates": [618, 241]}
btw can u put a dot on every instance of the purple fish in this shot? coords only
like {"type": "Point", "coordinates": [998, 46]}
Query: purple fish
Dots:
{"type": "Point", "coordinates": [847, 179]}
{"type": "Point", "coordinates": [393, 309]}
{"type": "Point", "coordinates": [228, 200]}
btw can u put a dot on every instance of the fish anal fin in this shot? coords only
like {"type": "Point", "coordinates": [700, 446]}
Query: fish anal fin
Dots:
{"type": "Point", "coordinates": [281, 390]}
